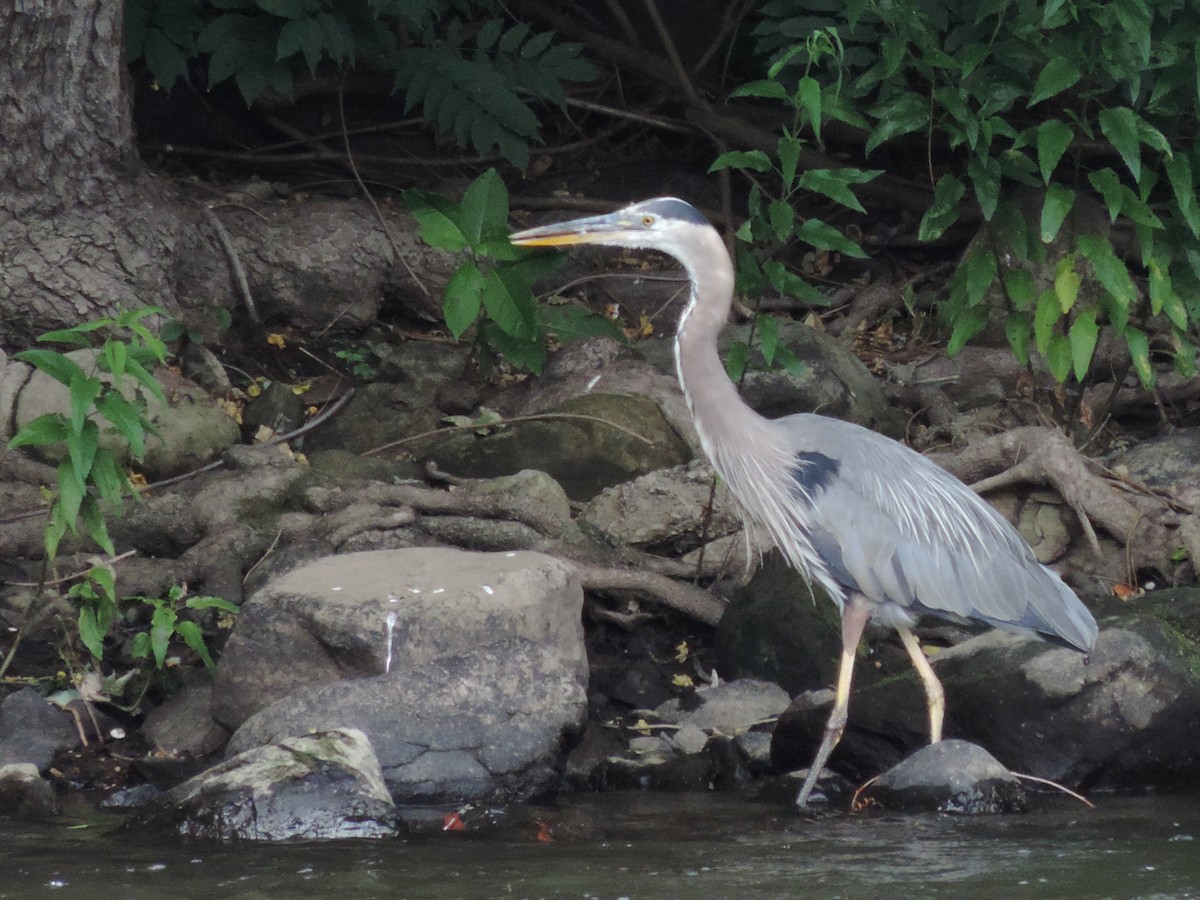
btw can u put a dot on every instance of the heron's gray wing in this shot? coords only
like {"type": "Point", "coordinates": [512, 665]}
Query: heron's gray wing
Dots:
{"type": "Point", "coordinates": [894, 526]}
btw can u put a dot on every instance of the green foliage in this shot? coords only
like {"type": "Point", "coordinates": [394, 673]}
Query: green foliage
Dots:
{"type": "Point", "coordinates": [96, 596]}
{"type": "Point", "coordinates": [167, 624]}
{"type": "Point", "coordinates": [89, 473]}
{"type": "Point", "coordinates": [359, 360]}
{"type": "Point", "coordinates": [773, 227]}
{"type": "Point", "coordinates": [1062, 99]}
{"type": "Point", "coordinates": [493, 286]}
{"type": "Point", "coordinates": [739, 359]}
{"type": "Point", "coordinates": [471, 76]}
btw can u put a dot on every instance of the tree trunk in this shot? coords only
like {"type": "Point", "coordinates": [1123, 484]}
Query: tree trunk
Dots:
{"type": "Point", "coordinates": [85, 230]}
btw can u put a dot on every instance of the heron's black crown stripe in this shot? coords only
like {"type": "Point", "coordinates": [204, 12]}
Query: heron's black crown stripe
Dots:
{"type": "Point", "coordinates": [814, 471]}
{"type": "Point", "coordinates": [671, 208]}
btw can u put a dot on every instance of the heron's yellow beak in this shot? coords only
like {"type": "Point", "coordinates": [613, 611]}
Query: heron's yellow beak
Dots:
{"type": "Point", "coordinates": [592, 230]}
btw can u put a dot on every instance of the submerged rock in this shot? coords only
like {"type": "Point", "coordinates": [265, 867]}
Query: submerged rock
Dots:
{"type": "Point", "coordinates": [949, 776]}
{"type": "Point", "coordinates": [24, 794]}
{"type": "Point", "coordinates": [318, 787]}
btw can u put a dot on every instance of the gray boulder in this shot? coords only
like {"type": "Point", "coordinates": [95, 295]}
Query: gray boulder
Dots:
{"type": "Point", "coordinates": [1122, 716]}
{"type": "Point", "coordinates": [33, 730]}
{"type": "Point", "coordinates": [318, 787]}
{"type": "Point", "coordinates": [467, 671]}
{"type": "Point", "coordinates": [488, 725]}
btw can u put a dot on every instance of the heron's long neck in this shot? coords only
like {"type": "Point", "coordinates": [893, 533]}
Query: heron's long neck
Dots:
{"type": "Point", "coordinates": [718, 411]}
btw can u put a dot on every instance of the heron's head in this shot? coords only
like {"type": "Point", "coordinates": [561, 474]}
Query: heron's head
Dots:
{"type": "Point", "coordinates": [664, 223]}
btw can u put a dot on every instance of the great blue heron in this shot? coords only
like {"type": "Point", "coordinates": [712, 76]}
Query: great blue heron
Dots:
{"type": "Point", "coordinates": [888, 534]}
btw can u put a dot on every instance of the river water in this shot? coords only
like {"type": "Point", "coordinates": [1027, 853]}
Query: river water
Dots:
{"type": "Point", "coordinates": [651, 846]}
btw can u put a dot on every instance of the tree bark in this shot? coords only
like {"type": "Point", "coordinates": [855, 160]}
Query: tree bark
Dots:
{"type": "Point", "coordinates": [87, 230]}
{"type": "Point", "coordinates": [84, 229]}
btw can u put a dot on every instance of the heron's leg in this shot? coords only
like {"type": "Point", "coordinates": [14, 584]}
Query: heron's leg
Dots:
{"type": "Point", "coordinates": [854, 619]}
{"type": "Point", "coordinates": [935, 697]}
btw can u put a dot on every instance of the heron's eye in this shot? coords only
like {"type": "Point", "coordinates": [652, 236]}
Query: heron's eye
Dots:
{"type": "Point", "coordinates": [647, 220]}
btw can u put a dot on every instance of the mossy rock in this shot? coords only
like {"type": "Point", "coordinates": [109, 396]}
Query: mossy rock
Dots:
{"type": "Point", "coordinates": [584, 455]}
{"type": "Point", "coordinates": [778, 629]}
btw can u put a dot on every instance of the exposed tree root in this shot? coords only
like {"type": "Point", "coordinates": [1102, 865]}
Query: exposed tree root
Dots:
{"type": "Point", "coordinates": [1150, 526]}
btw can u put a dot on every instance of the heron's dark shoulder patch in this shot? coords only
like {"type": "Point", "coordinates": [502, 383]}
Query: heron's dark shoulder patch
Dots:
{"type": "Point", "coordinates": [674, 208]}
{"type": "Point", "coordinates": [813, 472]}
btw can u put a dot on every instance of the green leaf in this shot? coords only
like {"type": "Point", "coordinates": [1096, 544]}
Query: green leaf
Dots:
{"type": "Point", "coordinates": [1083, 335]}
{"type": "Point", "coordinates": [751, 160]}
{"type": "Point", "coordinates": [985, 177]}
{"type": "Point", "coordinates": [164, 59]}
{"type": "Point", "coordinates": [981, 272]}
{"type": "Point", "coordinates": [782, 217]}
{"type": "Point", "coordinates": [768, 337]}
{"type": "Point", "coordinates": [1109, 270]}
{"type": "Point", "coordinates": [83, 392]}
{"type": "Point", "coordinates": [140, 648]}
{"type": "Point", "coordinates": [1139, 352]}
{"type": "Point", "coordinates": [193, 636]}
{"type": "Point", "coordinates": [1055, 209]}
{"type": "Point", "coordinates": [788, 148]}
{"type": "Point", "coordinates": [91, 633]}
{"type": "Point", "coordinates": [59, 367]}
{"type": "Point", "coordinates": [943, 212]}
{"type": "Point", "coordinates": [463, 298]}
{"type": "Point", "coordinates": [305, 36]}
{"type": "Point", "coordinates": [510, 304]}
{"type": "Point", "coordinates": [1016, 329]}
{"type": "Point", "coordinates": [108, 477]}
{"type": "Point", "coordinates": [834, 184]}
{"type": "Point", "coordinates": [114, 356]}
{"type": "Point", "coordinates": [1163, 297]}
{"type": "Point", "coordinates": [1053, 139]}
{"type": "Point", "coordinates": [1066, 283]}
{"type": "Point", "coordinates": [162, 627]}
{"type": "Point", "coordinates": [70, 494]}
{"type": "Point", "coordinates": [81, 451]}
{"type": "Point", "coordinates": [212, 603]}
{"type": "Point", "coordinates": [826, 237]}
{"type": "Point", "coordinates": [767, 90]}
{"type": "Point", "coordinates": [489, 33]}
{"type": "Point", "coordinates": [736, 359]}
{"type": "Point", "coordinates": [126, 419]}
{"type": "Point", "coordinates": [145, 380]}
{"type": "Point", "coordinates": [45, 430]}
{"type": "Point", "coordinates": [484, 208]}
{"type": "Point", "coordinates": [970, 322]}
{"type": "Point", "coordinates": [789, 284]}
{"type": "Point", "coordinates": [1109, 185]}
{"type": "Point", "coordinates": [1120, 126]}
{"type": "Point", "coordinates": [808, 98]}
{"type": "Point", "coordinates": [1045, 318]}
{"type": "Point", "coordinates": [1020, 288]}
{"type": "Point", "coordinates": [1179, 173]}
{"type": "Point", "coordinates": [902, 114]}
{"type": "Point", "coordinates": [97, 526]}
{"type": "Point", "coordinates": [572, 323]}
{"type": "Point", "coordinates": [1058, 74]}
{"type": "Point", "coordinates": [106, 580]}
{"type": "Point", "coordinates": [1058, 357]}
{"type": "Point", "coordinates": [1010, 227]}
{"type": "Point", "coordinates": [435, 216]}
